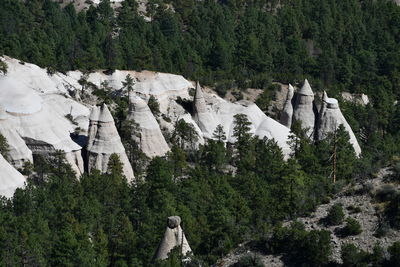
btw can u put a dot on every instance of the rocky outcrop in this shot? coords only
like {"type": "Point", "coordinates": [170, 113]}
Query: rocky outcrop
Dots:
{"type": "Point", "coordinates": [173, 237]}
{"type": "Point", "coordinates": [203, 117]}
{"type": "Point", "coordinates": [359, 99]}
{"type": "Point", "coordinates": [304, 108]}
{"type": "Point", "coordinates": [10, 178]}
{"type": "Point", "coordinates": [103, 141]}
{"type": "Point", "coordinates": [33, 126]}
{"type": "Point", "coordinates": [287, 112]}
{"type": "Point", "coordinates": [151, 139]}
{"type": "Point", "coordinates": [331, 118]}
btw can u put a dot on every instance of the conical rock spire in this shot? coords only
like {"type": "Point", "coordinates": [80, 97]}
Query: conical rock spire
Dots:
{"type": "Point", "coordinates": [204, 117]}
{"type": "Point", "coordinates": [331, 118]}
{"type": "Point", "coordinates": [104, 141]}
{"type": "Point", "coordinates": [304, 108]}
{"type": "Point", "coordinates": [151, 139]}
{"type": "Point", "coordinates": [173, 237]}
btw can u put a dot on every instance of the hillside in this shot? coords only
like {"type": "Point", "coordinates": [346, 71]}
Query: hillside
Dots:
{"type": "Point", "coordinates": [364, 201]}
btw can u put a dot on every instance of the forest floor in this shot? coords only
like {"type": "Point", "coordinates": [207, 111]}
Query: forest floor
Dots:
{"type": "Point", "coordinates": [362, 197]}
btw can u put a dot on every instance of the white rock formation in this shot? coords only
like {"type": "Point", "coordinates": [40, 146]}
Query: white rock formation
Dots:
{"type": "Point", "coordinates": [287, 112]}
{"type": "Point", "coordinates": [173, 237]}
{"type": "Point", "coordinates": [331, 118]}
{"type": "Point", "coordinates": [103, 141]}
{"type": "Point", "coordinates": [152, 141]}
{"type": "Point", "coordinates": [10, 179]}
{"type": "Point", "coordinates": [360, 99]}
{"type": "Point", "coordinates": [203, 116]}
{"type": "Point", "coordinates": [32, 126]}
{"type": "Point", "coordinates": [304, 108]}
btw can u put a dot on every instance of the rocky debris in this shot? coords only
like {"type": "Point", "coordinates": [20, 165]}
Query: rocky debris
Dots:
{"type": "Point", "coordinates": [287, 112]}
{"type": "Point", "coordinates": [330, 119]}
{"type": "Point", "coordinates": [151, 139]}
{"type": "Point", "coordinates": [103, 141]}
{"type": "Point", "coordinates": [173, 237]}
{"type": "Point", "coordinates": [303, 110]}
{"type": "Point", "coordinates": [10, 178]}
{"type": "Point", "coordinates": [360, 99]}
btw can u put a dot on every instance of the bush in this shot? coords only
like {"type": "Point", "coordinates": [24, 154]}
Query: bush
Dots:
{"type": "Point", "coordinates": [393, 212]}
{"type": "Point", "coordinates": [335, 215]}
{"type": "Point", "coordinates": [249, 261]}
{"type": "Point", "coordinates": [352, 227]}
{"type": "Point", "coordinates": [301, 247]}
{"type": "Point", "coordinates": [154, 106]}
{"type": "Point", "coordinates": [353, 256]}
{"type": "Point", "coordinates": [3, 67]}
{"type": "Point", "coordinates": [385, 193]}
{"type": "Point", "coordinates": [394, 251]}
{"type": "Point", "coordinates": [354, 209]}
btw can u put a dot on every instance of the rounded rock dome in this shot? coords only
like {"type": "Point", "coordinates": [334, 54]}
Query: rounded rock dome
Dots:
{"type": "Point", "coordinates": [17, 98]}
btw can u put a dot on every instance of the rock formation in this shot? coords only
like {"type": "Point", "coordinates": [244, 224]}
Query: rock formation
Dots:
{"type": "Point", "coordinates": [10, 178]}
{"type": "Point", "coordinates": [304, 108]}
{"type": "Point", "coordinates": [151, 140]}
{"type": "Point", "coordinates": [32, 126]}
{"type": "Point", "coordinates": [331, 118]}
{"type": "Point", "coordinates": [103, 141]}
{"type": "Point", "coordinates": [173, 237]}
{"type": "Point", "coordinates": [203, 117]}
{"type": "Point", "coordinates": [287, 113]}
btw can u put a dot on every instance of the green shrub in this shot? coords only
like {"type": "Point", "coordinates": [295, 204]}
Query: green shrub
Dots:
{"type": "Point", "coordinates": [249, 261]}
{"type": "Point", "coordinates": [335, 215]}
{"type": "Point", "coordinates": [354, 209]}
{"type": "Point", "coordinates": [394, 251]}
{"type": "Point", "coordinates": [353, 256]}
{"type": "Point", "coordinates": [352, 227]}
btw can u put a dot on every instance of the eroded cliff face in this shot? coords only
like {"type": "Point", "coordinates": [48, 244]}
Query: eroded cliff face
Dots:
{"type": "Point", "coordinates": [41, 111]}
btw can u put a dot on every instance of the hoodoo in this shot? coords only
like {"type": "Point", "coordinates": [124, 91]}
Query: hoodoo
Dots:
{"type": "Point", "coordinates": [331, 118]}
{"type": "Point", "coordinates": [151, 140]}
{"type": "Point", "coordinates": [105, 141]}
{"type": "Point", "coordinates": [203, 117]}
{"type": "Point", "coordinates": [287, 113]}
{"type": "Point", "coordinates": [304, 108]}
{"type": "Point", "coordinates": [173, 237]}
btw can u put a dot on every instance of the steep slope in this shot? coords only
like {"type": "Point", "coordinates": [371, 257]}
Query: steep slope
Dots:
{"type": "Point", "coordinates": [10, 178]}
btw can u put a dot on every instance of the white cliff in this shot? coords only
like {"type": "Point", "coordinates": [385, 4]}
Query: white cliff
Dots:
{"type": "Point", "coordinates": [103, 141]}
{"type": "Point", "coordinates": [151, 140]}
{"type": "Point", "coordinates": [10, 178]}
{"type": "Point", "coordinates": [304, 108]}
{"type": "Point", "coordinates": [32, 126]}
{"type": "Point", "coordinates": [173, 237]}
{"type": "Point", "coordinates": [331, 118]}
